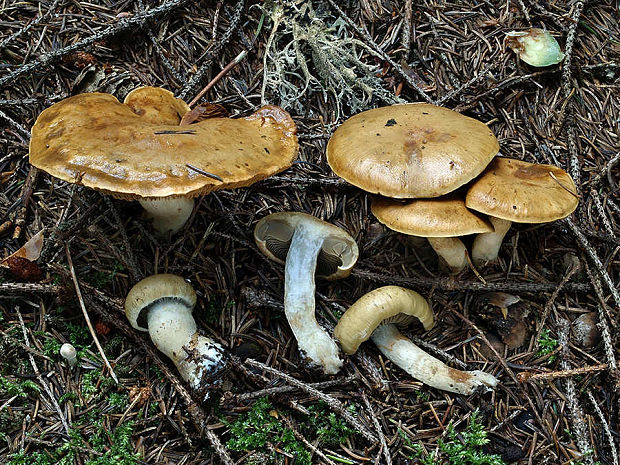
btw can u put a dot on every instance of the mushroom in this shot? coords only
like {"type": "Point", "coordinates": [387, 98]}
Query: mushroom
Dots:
{"type": "Point", "coordinates": [162, 306]}
{"type": "Point", "coordinates": [137, 150]}
{"type": "Point", "coordinates": [377, 314]}
{"type": "Point", "coordinates": [535, 46]}
{"type": "Point", "coordinates": [68, 352]}
{"type": "Point", "coordinates": [517, 191]}
{"type": "Point", "coordinates": [410, 151]}
{"type": "Point", "coordinates": [440, 220]}
{"type": "Point", "coordinates": [307, 245]}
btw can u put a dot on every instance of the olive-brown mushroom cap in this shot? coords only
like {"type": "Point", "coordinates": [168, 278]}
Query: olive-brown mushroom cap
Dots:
{"type": "Point", "coordinates": [96, 141]}
{"type": "Point", "coordinates": [411, 151]}
{"type": "Point", "coordinates": [523, 192]}
{"type": "Point", "coordinates": [385, 305]}
{"type": "Point", "coordinates": [156, 105]}
{"type": "Point", "coordinates": [338, 254]}
{"type": "Point", "coordinates": [152, 289]}
{"type": "Point", "coordinates": [439, 217]}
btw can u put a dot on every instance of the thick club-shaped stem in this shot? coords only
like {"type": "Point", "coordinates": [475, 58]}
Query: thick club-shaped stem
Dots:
{"type": "Point", "coordinates": [173, 331]}
{"type": "Point", "coordinates": [425, 367]}
{"type": "Point", "coordinates": [168, 214]}
{"type": "Point", "coordinates": [451, 250]}
{"type": "Point", "coordinates": [486, 245]}
{"type": "Point", "coordinates": [299, 305]}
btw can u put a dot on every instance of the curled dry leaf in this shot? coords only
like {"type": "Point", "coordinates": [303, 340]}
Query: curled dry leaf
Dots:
{"type": "Point", "coordinates": [202, 112]}
{"type": "Point", "coordinates": [31, 250]}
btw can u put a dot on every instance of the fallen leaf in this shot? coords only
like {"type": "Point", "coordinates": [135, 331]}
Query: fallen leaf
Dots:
{"type": "Point", "coordinates": [31, 250]}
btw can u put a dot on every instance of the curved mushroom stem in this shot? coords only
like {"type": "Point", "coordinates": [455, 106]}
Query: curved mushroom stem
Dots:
{"type": "Point", "coordinates": [486, 245]}
{"type": "Point", "coordinates": [451, 250]}
{"type": "Point", "coordinates": [168, 214]}
{"type": "Point", "coordinates": [427, 368]}
{"type": "Point", "coordinates": [299, 306]}
{"type": "Point", "coordinates": [173, 331]}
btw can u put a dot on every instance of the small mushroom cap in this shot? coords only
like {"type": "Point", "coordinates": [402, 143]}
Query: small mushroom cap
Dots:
{"type": "Point", "coordinates": [523, 192]}
{"type": "Point", "coordinates": [156, 105]}
{"type": "Point", "coordinates": [154, 288]}
{"type": "Point", "coordinates": [439, 217]}
{"type": "Point", "coordinates": [94, 140]}
{"type": "Point", "coordinates": [68, 351]}
{"type": "Point", "coordinates": [410, 151]}
{"type": "Point", "coordinates": [273, 235]}
{"type": "Point", "coordinates": [388, 304]}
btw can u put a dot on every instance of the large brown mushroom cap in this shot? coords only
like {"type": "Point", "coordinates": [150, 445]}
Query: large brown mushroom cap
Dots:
{"type": "Point", "coordinates": [411, 151]}
{"type": "Point", "coordinates": [523, 192]}
{"type": "Point", "coordinates": [440, 217]}
{"type": "Point", "coordinates": [95, 140]}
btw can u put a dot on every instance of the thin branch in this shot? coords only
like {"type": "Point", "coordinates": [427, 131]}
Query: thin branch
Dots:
{"type": "Point", "coordinates": [86, 317]}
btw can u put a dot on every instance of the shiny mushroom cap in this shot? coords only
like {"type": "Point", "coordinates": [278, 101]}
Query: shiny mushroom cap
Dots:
{"type": "Point", "coordinates": [389, 304]}
{"type": "Point", "coordinates": [439, 217]}
{"type": "Point", "coordinates": [523, 192]}
{"type": "Point", "coordinates": [156, 105]}
{"type": "Point", "coordinates": [94, 140]}
{"type": "Point", "coordinates": [153, 289]}
{"type": "Point", "coordinates": [411, 151]}
{"type": "Point", "coordinates": [338, 254]}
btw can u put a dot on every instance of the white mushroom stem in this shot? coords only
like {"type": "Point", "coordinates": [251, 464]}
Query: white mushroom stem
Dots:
{"type": "Point", "coordinates": [451, 250]}
{"type": "Point", "coordinates": [299, 305]}
{"type": "Point", "coordinates": [68, 352]}
{"type": "Point", "coordinates": [168, 214]}
{"type": "Point", "coordinates": [427, 368]}
{"type": "Point", "coordinates": [486, 245]}
{"type": "Point", "coordinates": [173, 331]}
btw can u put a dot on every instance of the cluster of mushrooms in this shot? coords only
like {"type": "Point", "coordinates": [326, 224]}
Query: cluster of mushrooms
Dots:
{"type": "Point", "coordinates": [435, 172]}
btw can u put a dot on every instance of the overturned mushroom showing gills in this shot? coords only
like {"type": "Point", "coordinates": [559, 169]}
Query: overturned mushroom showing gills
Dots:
{"type": "Point", "coordinates": [162, 306]}
{"type": "Point", "coordinates": [307, 245]}
{"type": "Point", "coordinates": [515, 191]}
{"type": "Point", "coordinates": [377, 314]}
{"type": "Point", "coordinates": [440, 220]}
{"type": "Point", "coordinates": [137, 150]}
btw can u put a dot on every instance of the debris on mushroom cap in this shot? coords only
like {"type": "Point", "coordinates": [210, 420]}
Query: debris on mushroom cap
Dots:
{"type": "Point", "coordinates": [96, 141]}
{"type": "Point", "coordinates": [439, 217]}
{"type": "Point", "coordinates": [410, 151]}
{"type": "Point", "coordinates": [523, 192]}
{"type": "Point", "coordinates": [388, 304]}
{"type": "Point", "coordinates": [339, 251]}
{"type": "Point", "coordinates": [156, 105]}
{"type": "Point", "coordinates": [535, 46]}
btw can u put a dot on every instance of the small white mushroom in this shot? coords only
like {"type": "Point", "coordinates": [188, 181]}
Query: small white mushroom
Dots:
{"type": "Point", "coordinates": [162, 305]}
{"type": "Point", "coordinates": [307, 245]}
{"type": "Point", "coordinates": [68, 352]}
{"type": "Point", "coordinates": [377, 314]}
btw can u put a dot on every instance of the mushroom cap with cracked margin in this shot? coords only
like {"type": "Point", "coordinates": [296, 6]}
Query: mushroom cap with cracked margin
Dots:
{"type": "Point", "coordinates": [523, 192]}
{"type": "Point", "coordinates": [385, 305]}
{"type": "Point", "coordinates": [273, 235]}
{"type": "Point", "coordinates": [94, 140]}
{"type": "Point", "coordinates": [152, 289]}
{"type": "Point", "coordinates": [414, 150]}
{"type": "Point", "coordinates": [440, 217]}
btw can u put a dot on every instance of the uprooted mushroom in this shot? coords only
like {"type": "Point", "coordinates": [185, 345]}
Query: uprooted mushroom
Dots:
{"type": "Point", "coordinates": [378, 314]}
{"type": "Point", "coordinates": [162, 306]}
{"type": "Point", "coordinates": [307, 245]}
{"type": "Point", "coordinates": [136, 150]}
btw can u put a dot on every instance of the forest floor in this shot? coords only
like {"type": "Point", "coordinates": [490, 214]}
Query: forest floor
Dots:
{"type": "Point", "coordinates": [323, 62]}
